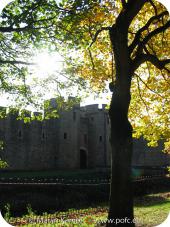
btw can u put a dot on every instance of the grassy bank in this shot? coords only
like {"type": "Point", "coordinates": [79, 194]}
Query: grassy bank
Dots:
{"type": "Point", "coordinates": [150, 210]}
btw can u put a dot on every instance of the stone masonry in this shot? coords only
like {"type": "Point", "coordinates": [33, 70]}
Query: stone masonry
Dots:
{"type": "Point", "coordinates": [79, 138]}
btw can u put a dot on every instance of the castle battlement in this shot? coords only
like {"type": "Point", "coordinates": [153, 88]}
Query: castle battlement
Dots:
{"type": "Point", "coordinates": [94, 108]}
{"type": "Point", "coordinates": [49, 107]}
{"type": "Point", "coordinates": [77, 138]}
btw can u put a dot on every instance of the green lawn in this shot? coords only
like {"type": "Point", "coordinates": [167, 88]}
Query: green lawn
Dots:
{"type": "Point", "coordinates": [150, 210]}
{"type": "Point", "coordinates": [153, 209]}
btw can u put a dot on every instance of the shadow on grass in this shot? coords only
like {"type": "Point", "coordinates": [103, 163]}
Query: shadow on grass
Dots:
{"type": "Point", "coordinates": [51, 199]}
{"type": "Point", "coordinates": [152, 200]}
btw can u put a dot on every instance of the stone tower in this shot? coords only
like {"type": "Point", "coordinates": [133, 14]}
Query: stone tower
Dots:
{"type": "Point", "coordinates": [77, 139]}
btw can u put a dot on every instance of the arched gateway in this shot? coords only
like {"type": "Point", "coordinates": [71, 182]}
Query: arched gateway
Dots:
{"type": "Point", "coordinates": [83, 158]}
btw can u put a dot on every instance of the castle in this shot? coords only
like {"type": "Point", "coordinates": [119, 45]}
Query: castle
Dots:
{"type": "Point", "coordinates": [78, 139]}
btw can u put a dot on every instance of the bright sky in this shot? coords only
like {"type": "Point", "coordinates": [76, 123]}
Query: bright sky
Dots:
{"type": "Point", "coordinates": [52, 64]}
{"type": "Point", "coordinates": [49, 65]}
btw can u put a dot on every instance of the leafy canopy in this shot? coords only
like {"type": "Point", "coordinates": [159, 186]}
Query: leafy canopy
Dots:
{"type": "Point", "coordinates": [86, 26]}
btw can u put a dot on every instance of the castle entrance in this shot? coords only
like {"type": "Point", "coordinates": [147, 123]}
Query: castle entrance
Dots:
{"type": "Point", "coordinates": [83, 159]}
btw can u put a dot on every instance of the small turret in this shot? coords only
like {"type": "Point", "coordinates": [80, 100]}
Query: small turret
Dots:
{"type": "Point", "coordinates": [37, 115]}
{"type": "Point", "coordinates": [26, 113]}
{"type": "Point", "coordinates": [13, 113]}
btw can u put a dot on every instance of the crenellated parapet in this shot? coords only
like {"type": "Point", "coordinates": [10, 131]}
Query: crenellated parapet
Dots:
{"type": "Point", "coordinates": [16, 114]}
{"type": "Point", "coordinates": [62, 141]}
{"type": "Point", "coordinates": [94, 108]}
{"type": "Point", "coordinates": [26, 113]}
{"type": "Point", "coordinates": [52, 109]}
{"type": "Point", "coordinates": [91, 108]}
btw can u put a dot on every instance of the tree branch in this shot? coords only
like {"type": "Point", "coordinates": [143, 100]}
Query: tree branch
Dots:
{"type": "Point", "coordinates": [160, 64]}
{"type": "Point", "coordinates": [140, 95]}
{"type": "Point", "coordinates": [150, 35]}
{"type": "Point", "coordinates": [98, 32]}
{"type": "Point", "coordinates": [16, 62]}
{"type": "Point", "coordinates": [136, 40]}
{"type": "Point", "coordinates": [12, 29]}
{"type": "Point", "coordinates": [33, 7]}
{"type": "Point", "coordinates": [30, 26]}
{"type": "Point", "coordinates": [123, 3]}
{"type": "Point", "coordinates": [131, 10]}
{"type": "Point", "coordinates": [154, 7]}
{"type": "Point", "coordinates": [91, 58]}
{"type": "Point", "coordinates": [146, 85]}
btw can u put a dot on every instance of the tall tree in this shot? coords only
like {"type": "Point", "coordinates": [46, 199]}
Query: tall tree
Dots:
{"type": "Point", "coordinates": [124, 43]}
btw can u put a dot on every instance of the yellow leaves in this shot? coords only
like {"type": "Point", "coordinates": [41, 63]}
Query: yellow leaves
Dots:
{"type": "Point", "coordinates": [96, 15]}
{"type": "Point", "coordinates": [145, 119]}
{"type": "Point", "coordinates": [83, 23]}
{"type": "Point", "coordinates": [108, 4]}
{"type": "Point", "coordinates": [159, 43]}
{"type": "Point", "coordinates": [99, 16]}
{"type": "Point", "coordinates": [153, 143]}
{"type": "Point", "coordinates": [149, 109]}
{"type": "Point", "coordinates": [167, 146]}
{"type": "Point", "coordinates": [97, 66]}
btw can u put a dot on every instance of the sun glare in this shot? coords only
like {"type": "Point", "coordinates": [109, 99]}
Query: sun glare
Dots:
{"type": "Point", "coordinates": [48, 64]}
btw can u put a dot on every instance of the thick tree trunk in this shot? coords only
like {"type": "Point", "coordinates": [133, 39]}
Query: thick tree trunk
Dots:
{"type": "Point", "coordinates": [121, 196]}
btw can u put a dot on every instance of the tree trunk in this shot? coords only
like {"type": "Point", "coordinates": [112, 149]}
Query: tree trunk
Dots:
{"type": "Point", "coordinates": [121, 196]}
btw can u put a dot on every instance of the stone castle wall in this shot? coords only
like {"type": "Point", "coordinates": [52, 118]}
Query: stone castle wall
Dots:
{"type": "Point", "coordinates": [79, 138]}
